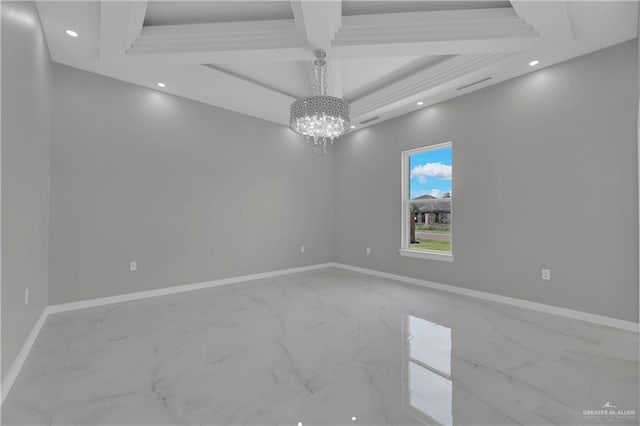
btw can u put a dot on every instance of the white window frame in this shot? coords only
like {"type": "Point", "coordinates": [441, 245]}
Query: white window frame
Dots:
{"type": "Point", "coordinates": [405, 247]}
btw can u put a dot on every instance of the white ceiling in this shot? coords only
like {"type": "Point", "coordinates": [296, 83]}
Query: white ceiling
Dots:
{"type": "Point", "coordinates": [254, 57]}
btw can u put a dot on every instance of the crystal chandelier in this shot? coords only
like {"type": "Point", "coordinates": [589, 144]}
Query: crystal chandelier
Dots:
{"type": "Point", "coordinates": [320, 118]}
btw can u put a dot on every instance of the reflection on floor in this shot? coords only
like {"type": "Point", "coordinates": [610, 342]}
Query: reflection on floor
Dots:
{"type": "Point", "coordinates": [329, 347]}
{"type": "Point", "coordinates": [428, 370]}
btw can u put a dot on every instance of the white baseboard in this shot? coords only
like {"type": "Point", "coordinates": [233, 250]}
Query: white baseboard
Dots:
{"type": "Point", "coordinates": [53, 309]}
{"type": "Point", "coordinates": [9, 379]}
{"type": "Point", "coordinates": [520, 303]}
{"type": "Point", "coordinates": [12, 374]}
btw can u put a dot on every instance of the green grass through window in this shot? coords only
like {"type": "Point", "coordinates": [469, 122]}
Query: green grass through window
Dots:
{"type": "Point", "coordinates": [434, 245]}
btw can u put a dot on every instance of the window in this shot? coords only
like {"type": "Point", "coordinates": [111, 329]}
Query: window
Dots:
{"type": "Point", "coordinates": [427, 189]}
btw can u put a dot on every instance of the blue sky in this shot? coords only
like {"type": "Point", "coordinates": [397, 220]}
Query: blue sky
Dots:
{"type": "Point", "coordinates": [430, 173]}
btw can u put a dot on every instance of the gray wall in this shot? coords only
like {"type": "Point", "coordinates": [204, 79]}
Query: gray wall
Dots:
{"type": "Point", "coordinates": [26, 110]}
{"type": "Point", "coordinates": [545, 176]}
{"type": "Point", "coordinates": [191, 192]}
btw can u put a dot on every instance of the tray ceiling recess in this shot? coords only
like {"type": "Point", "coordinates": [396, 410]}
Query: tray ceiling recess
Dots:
{"type": "Point", "coordinates": [385, 57]}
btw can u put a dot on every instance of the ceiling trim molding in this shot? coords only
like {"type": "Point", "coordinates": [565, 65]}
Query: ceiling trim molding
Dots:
{"type": "Point", "coordinates": [211, 38]}
{"type": "Point", "coordinates": [218, 29]}
{"type": "Point", "coordinates": [114, 17]}
{"type": "Point", "coordinates": [432, 47]}
{"type": "Point", "coordinates": [272, 91]}
{"type": "Point", "coordinates": [236, 94]}
{"type": "Point", "coordinates": [138, 12]}
{"type": "Point", "coordinates": [433, 76]}
{"type": "Point", "coordinates": [298, 16]}
{"type": "Point", "coordinates": [440, 32]}
{"type": "Point", "coordinates": [443, 18]}
{"type": "Point", "coordinates": [224, 54]}
{"type": "Point", "coordinates": [470, 45]}
{"type": "Point", "coordinates": [550, 19]}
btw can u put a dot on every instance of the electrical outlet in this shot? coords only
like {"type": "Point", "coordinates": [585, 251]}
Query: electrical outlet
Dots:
{"type": "Point", "coordinates": [133, 266]}
{"type": "Point", "coordinates": [368, 251]}
{"type": "Point", "coordinates": [301, 249]}
{"type": "Point", "coordinates": [26, 296]}
{"type": "Point", "coordinates": [545, 274]}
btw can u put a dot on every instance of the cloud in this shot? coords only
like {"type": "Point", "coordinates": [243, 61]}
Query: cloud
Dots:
{"type": "Point", "coordinates": [435, 192]}
{"type": "Point", "coordinates": [431, 170]}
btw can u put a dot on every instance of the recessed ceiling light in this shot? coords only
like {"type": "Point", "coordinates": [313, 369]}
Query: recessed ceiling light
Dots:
{"type": "Point", "coordinates": [162, 84]}
{"type": "Point", "coordinates": [353, 419]}
{"type": "Point", "coordinates": [420, 103]}
{"type": "Point", "coordinates": [534, 63]}
{"type": "Point", "coordinates": [71, 33]}
{"type": "Point", "coordinates": [353, 127]}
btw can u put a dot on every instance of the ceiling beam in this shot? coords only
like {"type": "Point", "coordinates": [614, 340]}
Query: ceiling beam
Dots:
{"type": "Point", "coordinates": [550, 19]}
{"type": "Point", "coordinates": [240, 94]}
{"type": "Point", "coordinates": [320, 25]}
{"type": "Point", "coordinates": [440, 18]}
{"type": "Point", "coordinates": [244, 29]}
{"type": "Point", "coordinates": [277, 40]}
{"type": "Point", "coordinates": [120, 25]}
{"type": "Point", "coordinates": [298, 17]}
{"type": "Point", "coordinates": [433, 33]}
{"type": "Point", "coordinates": [320, 20]}
{"type": "Point", "coordinates": [429, 48]}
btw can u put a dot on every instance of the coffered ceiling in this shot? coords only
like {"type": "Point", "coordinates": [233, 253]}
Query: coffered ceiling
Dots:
{"type": "Point", "coordinates": [254, 57]}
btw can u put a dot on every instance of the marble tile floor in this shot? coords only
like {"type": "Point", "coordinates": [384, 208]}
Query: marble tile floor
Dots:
{"type": "Point", "coordinates": [323, 348]}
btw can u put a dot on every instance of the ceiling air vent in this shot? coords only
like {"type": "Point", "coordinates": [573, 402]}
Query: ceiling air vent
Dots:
{"type": "Point", "coordinates": [369, 120]}
{"type": "Point", "coordinates": [474, 83]}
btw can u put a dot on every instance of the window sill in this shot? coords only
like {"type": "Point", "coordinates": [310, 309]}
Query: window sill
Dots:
{"type": "Point", "coordinates": [432, 255]}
